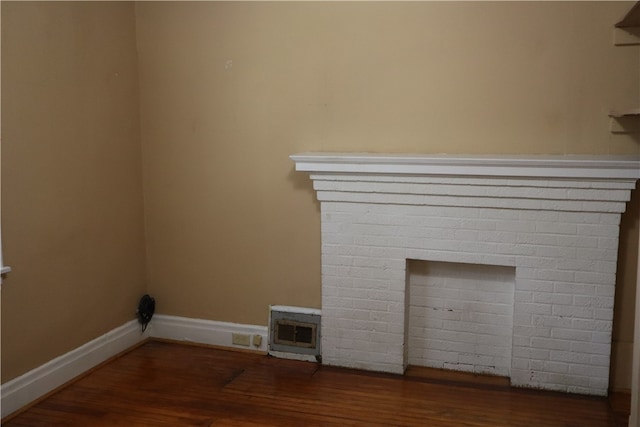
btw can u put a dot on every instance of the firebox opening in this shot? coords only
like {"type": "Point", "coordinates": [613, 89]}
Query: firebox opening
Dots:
{"type": "Point", "coordinates": [460, 316]}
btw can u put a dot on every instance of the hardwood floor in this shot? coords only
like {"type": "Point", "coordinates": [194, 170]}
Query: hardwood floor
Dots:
{"type": "Point", "coordinates": [171, 384]}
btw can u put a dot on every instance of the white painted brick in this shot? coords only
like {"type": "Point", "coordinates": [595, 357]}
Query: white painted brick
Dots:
{"type": "Point", "coordinates": [361, 285]}
{"type": "Point", "coordinates": [572, 311]}
{"type": "Point", "coordinates": [606, 267]}
{"type": "Point", "coordinates": [387, 317]}
{"type": "Point", "coordinates": [368, 304]}
{"type": "Point", "coordinates": [382, 338]}
{"type": "Point", "coordinates": [523, 353]}
{"type": "Point", "coordinates": [522, 318]}
{"type": "Point", "coordinates": [554, 275]}
{"type": "Point", "coordinates": [532, 308]}
{"type": "Point", "coordinates": [610, 218]}
{"type": "Point", "coordinates": [537, 262]}
{"type": "Point", "coordinates": [582, 300]}
{"type": "Point", "coordinates": [610, 243]}
{"type": "Point", "coordinates": [346, 314]}
{"type": "Point", "coordinates": [387, 296]}
{"type": "Point", "coordinates": [590, 301]}
{"type": "Point", "coordinates": [537, 239]}
{"type": "Point", "coordinates": [518, 363]}
{"type": "Point", "coordinates": [570, 357]}
{"type": "Point", "coordinates": [577, 265]}
{"type": "Point", "coordinates": [550, 343]}
{"type": "Point", "coordinates": [592, 194]}
{"type": "Point", "coordinates": [605, 291]}
{"type": "Point", "coordinates": [377, 263]}
{"type": "Point", "coordinates": [597, 254]}
{"type": "Point", "coordinates": [574, 288]}
{"type": "Point", "coordinates": [523, 227]}
{"type": "Point", "coordinates": [548, 366]}
{"type": "Point", "coordinates": [532, 331]}
{"type": "Point", "coordinates": [599, 230]}
{"type": "Point", "coordinates": [367, 272]}
{"type": "Point", "coordinates": [469, 235]}
{"type": "Point", "coordinates": [383, 252]}
{"type": "Point", "coordinates": [579, 217]}
{"type": "Point", "coordinates": [446, 222]}
{"type": "Point", "coordinates": [588, 370]}
{"type": "Point", "coordinates": [579, 241]}
{"type": "Point", "coordinates": [603, 207]}
{"type": "Point", "coordinates": [571, 334]}
{"type": "Point", "coordinates": [552, 298]}
{"type": "Point", "coordinates": [497, 236]}
{"type": "Point", "coordinates": [521, 341]}
{"type": "Point", "coordinates": [598, 360]}
{"type": "Point", "coordinates": [502, 214]}
{"type": "Point", "coordinates": [498, 260]}
{"type": "Point", "coordinates": [479, 224]}
{"type": "Point", "coordinates": [592, 325]}
{"type": "Point", "coordinates": [427, 232]}
{"type": "Point", "coordinates": [330, 301]}
{"type": "Point", "coordinates": [599, 386]}
{"type": "Point", "coordinates": [479, 247]}
{"type": "Point", "coordinates": [591, 348]}
{"type": "Point", "coordinates": [557, 251]}
{"type": "Point", "coordinates": [336, 260]}
{"type": "Point", "coordinates": [549, 216]}
{"type": "Point", "coordinates": [554, 321]}
{"type": "Point", "coordinates": [556, 228]}
{"type": "Point", "coordinates": [603, 314]}
{"type": "Point", "coordinates": [562, 380]}
{"type": "Point", "coordinates": [337, 239]}
{"type": "Point", "coordinates": [536, 285]}
{"type": "Point", "coordinates": [601, 337]}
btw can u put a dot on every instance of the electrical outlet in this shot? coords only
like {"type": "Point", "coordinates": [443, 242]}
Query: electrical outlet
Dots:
{"type": "Point", "coordinates": [257, 340]}
{"type": "Point", "coordinates": [241, 339]}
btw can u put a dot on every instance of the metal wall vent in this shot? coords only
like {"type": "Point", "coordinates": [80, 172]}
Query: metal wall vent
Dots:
{"type": "Point", "coordinates": [294, 330]}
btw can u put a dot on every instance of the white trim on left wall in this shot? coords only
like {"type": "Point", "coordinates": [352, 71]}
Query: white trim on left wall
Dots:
{"type": "Point", "coordinates": [34, 384]}
{"type": "Point", "coordinates": [23, 390]}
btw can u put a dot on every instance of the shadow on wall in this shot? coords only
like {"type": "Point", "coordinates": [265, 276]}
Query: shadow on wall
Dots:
{"type": "Point", "coordinates": [301, 182]}
{"type": "Point", "coordinates": [625, 297]}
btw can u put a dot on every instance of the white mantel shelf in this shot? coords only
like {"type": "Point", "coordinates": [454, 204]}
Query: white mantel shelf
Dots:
{"type": "Point", "coordinates": [550, 166]}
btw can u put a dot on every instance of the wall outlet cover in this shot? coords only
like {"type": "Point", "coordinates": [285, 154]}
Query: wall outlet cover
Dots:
{"type": "Point", "coordinates": [241, 339]}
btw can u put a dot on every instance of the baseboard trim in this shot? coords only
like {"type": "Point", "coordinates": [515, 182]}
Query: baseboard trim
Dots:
{"type": "Point", "coordinates": [29, 387]}
{"type": "Point", "coordinates": [23, 390]}
{"type": "Point", "coordinates": [208, 332]}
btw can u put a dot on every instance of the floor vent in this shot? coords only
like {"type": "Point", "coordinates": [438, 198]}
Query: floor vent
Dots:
{"type": "Point", "coordinates": [294, 332]}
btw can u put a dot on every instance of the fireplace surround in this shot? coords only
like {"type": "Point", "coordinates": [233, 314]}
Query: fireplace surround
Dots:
{"type": "Point", "coordinates": [551, 220]}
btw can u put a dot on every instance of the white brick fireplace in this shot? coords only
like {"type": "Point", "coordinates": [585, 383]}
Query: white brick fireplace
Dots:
{"type": "Point", "coordinates": [516, 263]}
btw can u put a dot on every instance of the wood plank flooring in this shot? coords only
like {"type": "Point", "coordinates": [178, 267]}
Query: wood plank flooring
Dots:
{"type": "Point", "coordinates": [171, 384]}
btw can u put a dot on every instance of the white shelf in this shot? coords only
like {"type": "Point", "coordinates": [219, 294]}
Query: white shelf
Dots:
{"type": "Point", "coordinates": [632, 112]}
{"type": "Point", "coordinates": [558, 166]}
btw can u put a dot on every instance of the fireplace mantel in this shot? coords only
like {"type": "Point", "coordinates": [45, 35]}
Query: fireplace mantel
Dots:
{"type": "Point", "coordinates": [551, 220]}
{"type": "Point", "coordinates": [552, 166]}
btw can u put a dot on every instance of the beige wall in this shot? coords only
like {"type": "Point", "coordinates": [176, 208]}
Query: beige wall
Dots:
{"type": "Point", "coordinates": [71, 175]}
{"type": "Point", "coordinates": [228, 91]}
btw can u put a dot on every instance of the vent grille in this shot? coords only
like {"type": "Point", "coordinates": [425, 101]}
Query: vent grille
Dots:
{"type": "Point", "coordinates": [294, 330]}
{"type": "Point", "coordinates": [291, 332]}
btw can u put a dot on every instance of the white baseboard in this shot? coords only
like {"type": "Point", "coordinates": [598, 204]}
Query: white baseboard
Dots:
{"type": "Point", "coordinates": [206, 331]}
{"type": "Point", "coordinates": [28, 387]}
